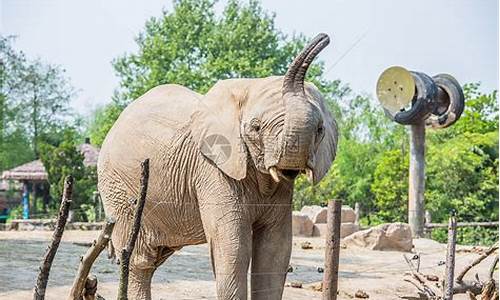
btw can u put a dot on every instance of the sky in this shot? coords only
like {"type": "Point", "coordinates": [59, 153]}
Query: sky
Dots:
{"type": "Point", "coordinates": [459, 37]}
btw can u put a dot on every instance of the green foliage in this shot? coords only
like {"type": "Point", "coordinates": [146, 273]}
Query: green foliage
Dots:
{"type": "Point", "coordinates": [468, 235]}
{"type": "Point", "coordinates": [63, 160]}
{"type": "Point", "coordinates": [390, 186]}
{"type": "Point", "coordinates": [462, 175]}
{"type": "Point", "coordinates": [34, 101]}
{"type": "Point", "coordinates": [193, 47]}
{"type": "Point", "coordinates": [102, 121]}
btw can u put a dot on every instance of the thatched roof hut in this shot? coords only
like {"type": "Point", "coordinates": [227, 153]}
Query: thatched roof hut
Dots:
{"type": "Point", "coordinates": [35, 171]}
{"type": "Point", "coordinates": [33, 177]}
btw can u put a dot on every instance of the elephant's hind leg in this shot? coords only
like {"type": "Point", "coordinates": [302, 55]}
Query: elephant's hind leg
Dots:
{"type": "Point", "coordinates": [142, 268]}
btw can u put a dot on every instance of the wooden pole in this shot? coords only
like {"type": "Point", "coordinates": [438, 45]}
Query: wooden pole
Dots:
{"type": "Point", "coordinates": [88, 259]}
{"type": "Point", "coordinates": [417, 179]}
{"type": "Point", "coordinates": [464, 224]}
{"type": "Point", "coordinates": [450, 259]}
{"type": "Point", "coordinates": [134, 232]}
{"type": "Point", "coordinates": [43, 275]}
{"type": "Point", "coordinates": [357, 210]}
{"type": "Point", "coordinates": [332, 252]}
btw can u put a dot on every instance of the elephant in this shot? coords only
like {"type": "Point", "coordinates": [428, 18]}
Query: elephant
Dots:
{"type": "Point", "coordinates": [222, 171]}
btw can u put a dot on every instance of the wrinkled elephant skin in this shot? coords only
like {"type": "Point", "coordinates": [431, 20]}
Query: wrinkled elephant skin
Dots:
{"type": "Point", "coordinates": [222, 167]}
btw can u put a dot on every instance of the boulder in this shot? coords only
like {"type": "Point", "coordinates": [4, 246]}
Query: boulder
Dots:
{"type": "Point", "coordinates": [390, 236]}
{"type": "Point", "coordinates": [348, 214]}
{"type": "Point", "coordinates": [301, 224]}
{"type": "Point", "coordinates": [317, 214]}
{"type": "Point", "coordinates": [346, 229]}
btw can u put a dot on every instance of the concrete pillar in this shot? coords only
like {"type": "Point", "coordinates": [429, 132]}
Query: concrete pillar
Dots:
{"type": "Point", "coordinates": [416, 208]}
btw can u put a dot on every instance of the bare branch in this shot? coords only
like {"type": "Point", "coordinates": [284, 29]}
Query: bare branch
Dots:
{"type": "Point", "coordinates": [492, 267]}
{"type": "Point", "coordinates": [88, 260]}
{"type": "Point", "coordinates": [127, 251]}
{"type": "Point", "coordinates": [43, 275]}
{"type": "Point", "coordinates": [460, 276]}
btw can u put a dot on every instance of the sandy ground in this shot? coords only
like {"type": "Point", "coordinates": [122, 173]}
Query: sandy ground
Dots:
{"type": "Point", "coordinates": [187, 274]}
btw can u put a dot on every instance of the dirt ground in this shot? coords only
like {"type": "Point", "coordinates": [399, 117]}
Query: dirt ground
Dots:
{"type": "Point", "coordinates": [187, 274]}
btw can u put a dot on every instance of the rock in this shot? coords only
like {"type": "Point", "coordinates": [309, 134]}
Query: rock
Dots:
{"type": "Point", "coordinates": [317, 214]}
{"type": "Point", "coordinates": [306, 245]}
{"type": "Point", "coordinates": [301, 224]}
{"type": "Point", "coordinates": [296, 284]}
{"type": "Point", "coordinates": [346, 229]}
{"type": "Point", "coordinates": [315, 286]}
{"type": "Point", "coordinates": [390, 236]}
{"type": "Point", "coordinates": [348, 214]}
{"type": "Point", "coordinates": [431, 277]}
{"type": "Point", "coordinates": [361, 294]}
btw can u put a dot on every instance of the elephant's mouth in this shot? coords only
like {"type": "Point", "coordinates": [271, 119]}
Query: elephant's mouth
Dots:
{"type": "Point", "coordinates": [288, 174]}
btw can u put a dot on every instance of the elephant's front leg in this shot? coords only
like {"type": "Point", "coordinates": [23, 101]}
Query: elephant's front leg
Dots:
{"type": "Point", "coordinates": [272, 245]}
{"type": "Point", "coordinates": [229, 238]}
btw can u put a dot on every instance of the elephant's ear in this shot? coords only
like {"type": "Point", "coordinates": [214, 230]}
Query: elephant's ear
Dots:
{"type": "Point", "coordinates": [327, 149]}
{"type": "Point", "coordinates": [216, 128]}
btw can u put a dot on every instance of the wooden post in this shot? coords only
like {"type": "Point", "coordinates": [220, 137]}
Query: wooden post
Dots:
{"type": "Point", "coordinates": [428, 220]}
{"type": "Point", "coordinates": [43, 275]}
{"type": "Point", "coordinates": [450, 259]}
{"type": "Point", "coordinates": [356, 212]}
{"type": "Point", "coordinates": [332, 252]}
{"type": "Point", "coordinates": [134, 232]}
{"type": "Point", "coordinates": [417, 179]}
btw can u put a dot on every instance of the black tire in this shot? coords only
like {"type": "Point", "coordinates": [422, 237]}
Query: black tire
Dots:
{"type": "Point", "coordinates": [422, 104]}
{"type": "Point", "coordinates": [455, 101]}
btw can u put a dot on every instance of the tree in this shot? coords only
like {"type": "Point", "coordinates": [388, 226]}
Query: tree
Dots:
{"type": "Point", "coordinates": [102, 121]}
{"type": "Point", "coordinates": [191, 46]}
{"type": "Point", "coordinates": [66, 159]}
{"type": "Point", "coordinates": [43, 100]}
{"type": "Point", "coordinates": [14, 146]}
{"type": "Point", "coordinates": [34, 101]}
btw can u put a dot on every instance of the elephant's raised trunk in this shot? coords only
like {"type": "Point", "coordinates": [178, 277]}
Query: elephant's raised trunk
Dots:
{"type": "Point", "coordinates": [301, 119]}
{"type": "Point", "coordinates": [294, 77]}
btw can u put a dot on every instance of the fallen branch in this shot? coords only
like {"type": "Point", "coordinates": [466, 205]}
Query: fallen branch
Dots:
{"type": "Point", "coordinates": [90, 288]}
{"type": "Point", "coordinates": [476, 262]}
{"type": "Point", "coordinates": [492, 267]}
{"type": "Point", "coordinates": [43, 275]}
{"type": "Point", "coordinates": [88, 259]}
{"type": "Point", "coordinates": [127, 251]}
{"type": "Point", "coordinates": [426, 287]}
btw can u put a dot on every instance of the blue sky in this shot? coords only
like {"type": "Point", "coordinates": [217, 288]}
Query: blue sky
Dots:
{"type": "Point", "coordinates": [459, 37]}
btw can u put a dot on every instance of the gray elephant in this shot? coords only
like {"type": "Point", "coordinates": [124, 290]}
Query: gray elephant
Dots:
{"type": "Point", "coordinates": [222, 171]}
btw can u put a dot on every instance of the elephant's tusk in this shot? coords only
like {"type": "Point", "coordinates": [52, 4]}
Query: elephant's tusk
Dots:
{"type": "Point", "coordinates": [274, 174]}
{"type": "Point", "coordinates": [310, 176]}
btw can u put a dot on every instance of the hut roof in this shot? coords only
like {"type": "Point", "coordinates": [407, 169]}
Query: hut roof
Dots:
{"type": "Point", "coordinates": [34, 170]}
{"type": "Point", "coordinates": [90, 154]}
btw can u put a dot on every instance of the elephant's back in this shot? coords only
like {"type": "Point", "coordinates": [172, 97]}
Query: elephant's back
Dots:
{"type": "Point", "coordinates": [148, 124]}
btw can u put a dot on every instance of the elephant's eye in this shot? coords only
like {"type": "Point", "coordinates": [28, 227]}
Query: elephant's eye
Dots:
{"type": "Point", "coordinates": [255, 124]}
{"type": "Point", "coordinates": [320, 129]}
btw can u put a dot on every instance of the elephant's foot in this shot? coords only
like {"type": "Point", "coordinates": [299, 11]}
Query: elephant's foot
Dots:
{"type": "Point", "coordinates": [139, 283]}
